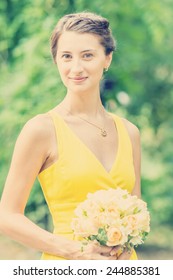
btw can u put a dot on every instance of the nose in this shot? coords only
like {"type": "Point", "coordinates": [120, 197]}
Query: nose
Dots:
{"type": "Point", "coordinates": [77, 67]}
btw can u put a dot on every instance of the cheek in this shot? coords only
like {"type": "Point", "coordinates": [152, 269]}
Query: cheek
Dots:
{"type": "Point", "coordinates": [63, 71]}
{"type": "Point", "coordinates": [99, 67]}
{"type": "Point", "coordinates": [98, 71]}
{"type": "Point", "coordinates": [63, 75]}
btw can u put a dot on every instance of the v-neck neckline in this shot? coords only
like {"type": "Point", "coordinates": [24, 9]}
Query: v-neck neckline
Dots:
{"type": "Point", "coordinates": [92, 154]}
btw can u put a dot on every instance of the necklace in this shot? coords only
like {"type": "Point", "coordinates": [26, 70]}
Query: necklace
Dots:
{"type": "Point", "coordinates": [103, 132]}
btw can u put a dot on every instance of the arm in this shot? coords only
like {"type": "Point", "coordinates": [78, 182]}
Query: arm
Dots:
{"type": "Point", "coordinates": [136, 146]}
{"type": "Point", "coordinates": [31, 151]}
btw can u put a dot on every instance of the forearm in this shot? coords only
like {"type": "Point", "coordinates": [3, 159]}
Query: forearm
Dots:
{"type": "Point", "coordinates": [21, 229]}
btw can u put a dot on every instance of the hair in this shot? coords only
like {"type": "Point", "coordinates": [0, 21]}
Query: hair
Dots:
{"type": "Point", "coordinates": [84, 22]}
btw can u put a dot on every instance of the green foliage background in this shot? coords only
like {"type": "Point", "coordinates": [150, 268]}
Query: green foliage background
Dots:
{"type": "Point", "coordinates": [139, 86]}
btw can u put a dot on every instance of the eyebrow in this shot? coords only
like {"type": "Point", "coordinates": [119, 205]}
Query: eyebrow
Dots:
{"type": "Point", "coordinates": [89, 50]}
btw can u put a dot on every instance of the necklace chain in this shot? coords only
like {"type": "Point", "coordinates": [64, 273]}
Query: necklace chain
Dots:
{"type": "Point", "coordinates": [102, 130]}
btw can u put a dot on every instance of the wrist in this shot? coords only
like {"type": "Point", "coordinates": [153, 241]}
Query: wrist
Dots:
{"type": "Point", "coordinates": [64, 247]}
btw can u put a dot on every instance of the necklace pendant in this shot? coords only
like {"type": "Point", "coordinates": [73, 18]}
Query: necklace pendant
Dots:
{"type": "Point", "coordinates": [103, 133]}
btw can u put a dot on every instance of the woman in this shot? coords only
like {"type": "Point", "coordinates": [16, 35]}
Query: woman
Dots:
{"type": "Point", "coordinates": [74, 149]}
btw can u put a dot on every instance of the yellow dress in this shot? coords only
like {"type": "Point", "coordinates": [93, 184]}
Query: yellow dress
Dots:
{"type": "Point", "coordinates": [77, 171]}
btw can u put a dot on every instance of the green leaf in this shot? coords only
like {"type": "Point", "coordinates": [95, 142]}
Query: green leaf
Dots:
{"type": "Point", "coordinates": [136, 210]}
{"type": "Point", "coordinates": [93, 237]}
{"type": "Point", "coordinates": [102, 236]}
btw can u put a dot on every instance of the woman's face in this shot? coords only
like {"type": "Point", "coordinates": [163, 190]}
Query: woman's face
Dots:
{"type": "Point", "coordinates": [80, 60]}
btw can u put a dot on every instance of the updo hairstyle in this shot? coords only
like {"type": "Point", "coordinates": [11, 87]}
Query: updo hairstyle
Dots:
{"type": "Point", "coordinates": [84, 23]}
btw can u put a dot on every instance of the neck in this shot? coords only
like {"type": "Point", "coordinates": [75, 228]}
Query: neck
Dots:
{"type": "Point", "coordinates": [83, 104]}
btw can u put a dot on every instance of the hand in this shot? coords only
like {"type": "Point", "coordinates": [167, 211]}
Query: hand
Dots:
{"type": "Point", "coordinates": [125, 255]}
{"type": "Point", "coordinates": [92, 251]}
{"type": "Point", "coordinates": [120, 253]}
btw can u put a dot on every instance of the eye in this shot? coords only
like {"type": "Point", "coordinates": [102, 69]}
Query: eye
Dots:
{"type": "Point", "coordinates": [66, 56]}
{"type": "Point", "coordinates": [88, 56]}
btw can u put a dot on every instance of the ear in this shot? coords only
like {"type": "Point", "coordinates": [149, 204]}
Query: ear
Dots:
{"type": "Point", "coordinates": [108, 60]}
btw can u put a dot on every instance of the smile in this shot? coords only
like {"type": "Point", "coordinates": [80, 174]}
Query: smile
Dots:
{"type": "Point", "coordinates": [78, 79]}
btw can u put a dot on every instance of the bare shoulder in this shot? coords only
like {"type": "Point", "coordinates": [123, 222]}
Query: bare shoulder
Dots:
{"type": "Point", "coordinates": [132, 129]}
{"type": "Point", "coordinates": [39, 126]}
{"type": "Point", "coordinates": [37, 134]}
{"type": "Point", "coordinates": [36, 140]}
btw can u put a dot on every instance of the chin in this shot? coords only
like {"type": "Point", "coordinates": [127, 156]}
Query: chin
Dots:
{"type": "Point", "coordinates": [79, 89]}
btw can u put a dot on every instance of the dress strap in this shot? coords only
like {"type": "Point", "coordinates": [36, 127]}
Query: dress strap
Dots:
{"type": "Point", "coordinates": [124, 137]}
{"type": "Point", "coordinates": [58, 130]}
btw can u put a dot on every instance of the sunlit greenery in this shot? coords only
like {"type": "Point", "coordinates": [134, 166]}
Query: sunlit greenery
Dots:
{"type": "Point", "coordinates": [138, 85]}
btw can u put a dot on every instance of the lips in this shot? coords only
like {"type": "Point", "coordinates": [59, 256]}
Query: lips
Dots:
{"type": "Point", "coordinates": [78, 79]}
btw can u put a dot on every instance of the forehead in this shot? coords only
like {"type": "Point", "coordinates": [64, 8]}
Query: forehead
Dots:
{"type": "Point", "coordinates": [70, 40]}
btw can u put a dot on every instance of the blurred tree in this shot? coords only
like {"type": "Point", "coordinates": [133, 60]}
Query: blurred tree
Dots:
{"type": "Point", "coordinates": [138, 85]}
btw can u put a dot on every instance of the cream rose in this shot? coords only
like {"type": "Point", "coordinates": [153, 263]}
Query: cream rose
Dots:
{"type": "Point", "coordinates": [114, 236]}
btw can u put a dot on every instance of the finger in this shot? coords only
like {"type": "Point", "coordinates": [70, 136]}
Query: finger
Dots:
{"type": "Point", "coordinates": [101, 257]}
{"type": "Point", "coordinates": [125, 256]}
{"type": "Point", "coordinates": [104, 249]}
{"type": "Point", "coordinates": [117, 250]}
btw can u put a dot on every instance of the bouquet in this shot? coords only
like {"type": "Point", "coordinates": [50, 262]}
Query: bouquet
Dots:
{"type": "Point", "coordinates": [112, 217]}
